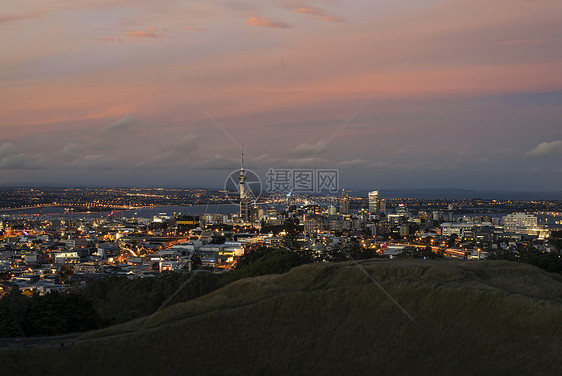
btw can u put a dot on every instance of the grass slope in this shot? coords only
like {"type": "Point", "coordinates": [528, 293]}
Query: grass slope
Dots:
{"type": "Point", "coordinates": [482, 318]}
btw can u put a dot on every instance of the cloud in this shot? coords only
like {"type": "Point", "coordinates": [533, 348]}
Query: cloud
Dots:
{"type": "Point", "coordinates": [5, 18]}
{"type": "Point", "coordinates": [546, 149]}
{"type": "Point", "coordinates": [123, 143]}
{"type": "Point", "coordinates": [119, 140]}
{"type": "Point", "coordinates": [22, 161]}
{"type": "Point", "coordinates": [265, 22]}
{"type": "Point", "coordinates": [318, 13]}
{"type": "Point", "coordinates": [187, 143]}
{"type": "Point", "coordinates": [237, 6]}
{"type": "Point", "coordinates": [11, 158]}
{"type": "Point", "coordinates": [310, 149]}
{"type": "Point", "coordinates": [115, 133]}
{"type": "Point", "coordinates": [178, 152]}
{"type": "Point", "coordinates": [151, 32]}
{"type": "Point", "coordinates": [522, 42]}
{"type": "Point", "coordinates": [78, 156]}
{"type": "Point", "coordinates": [94, 162]}
{"type": "Point", "coordinates": [361, 163]}
{"type": "Point", "coordinates": [214, 162]}
{"type": "Point", "coordinates": [120, 125]}
{"type": "Point", "coordinates": [267, 161]}
{"type": "Point", "coordinates": [174, 151]}
{"type": "Point", "coordinates": [312, 162]}
{"type": "Point", "coordinates": [354, 163]}
{"type": "Point", "coordinates": [70, 151]}
{"type": "Point", "coordinates": [505, 152]}
{"type": "Point", "coordinates": [192, 27]}
{"type": "Point", "coordinates": [110, 39]}
{"type": "Point", "coordinates": [6, 148]}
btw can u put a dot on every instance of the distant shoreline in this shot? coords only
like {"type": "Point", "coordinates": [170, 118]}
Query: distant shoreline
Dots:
{"type": "Point", "coordinates": [148, 210]}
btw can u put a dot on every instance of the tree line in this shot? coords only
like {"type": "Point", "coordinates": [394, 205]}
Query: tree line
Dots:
{"type": "Point", "coordinates": [117, 299]}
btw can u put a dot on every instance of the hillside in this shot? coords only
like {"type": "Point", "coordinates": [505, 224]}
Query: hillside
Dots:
{"type": "Point", "coordinates": [490, 317]}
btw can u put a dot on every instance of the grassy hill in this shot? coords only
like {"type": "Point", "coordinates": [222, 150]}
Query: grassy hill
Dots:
{"type": "Point", "coordinates": [491, 317]}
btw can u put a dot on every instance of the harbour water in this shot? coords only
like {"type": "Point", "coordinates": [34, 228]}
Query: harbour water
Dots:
{"type": "Point", "coordinates": [146, 212]}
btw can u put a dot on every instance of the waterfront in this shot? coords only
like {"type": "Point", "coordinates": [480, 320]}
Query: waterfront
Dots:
{"type": "Point", "coordinates": [147, 212]}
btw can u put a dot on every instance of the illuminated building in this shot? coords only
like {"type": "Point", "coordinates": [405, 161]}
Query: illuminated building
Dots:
{"type": "Point", "coordinates": [289, 201]}
{"type": "Point", "coordinates": [184, 223]}
{"type": "Point", "coordinates": [519, 221]}
{"type": "Point", "coordinates": [374, 202]}
{"type": "Point", "coordinates": [344, 205]}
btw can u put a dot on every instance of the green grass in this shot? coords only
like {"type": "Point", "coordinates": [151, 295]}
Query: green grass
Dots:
{"type": "Point", "coordinates": [481, 318]}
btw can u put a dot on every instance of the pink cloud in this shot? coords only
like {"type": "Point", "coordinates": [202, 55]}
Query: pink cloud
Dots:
{"type": "Point", "coordinates": [192, 27]}
{"type": "Point", "coordinates": [151, 32]}
{"type": "Point", "coordinates": [326, 75]}
{"type": "Point", "coordinates": [522, 42]}
{"type": "Point", "coordinates": [317, 13]}
{"type": "Point", "coordinates": [265, 22]}
{"type": "Point", "coordinates": [4, 18]}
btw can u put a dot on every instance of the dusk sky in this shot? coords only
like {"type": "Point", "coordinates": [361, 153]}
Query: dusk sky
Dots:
{"type": "Point", "coordinates": [392, 93]}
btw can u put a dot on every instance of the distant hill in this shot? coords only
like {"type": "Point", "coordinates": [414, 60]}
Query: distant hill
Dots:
{"type": "Point", "coordinates": [471, 318]}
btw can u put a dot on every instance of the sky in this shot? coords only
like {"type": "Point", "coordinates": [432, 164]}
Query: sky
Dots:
{"type": "Point", "coordinates": [391, 94]}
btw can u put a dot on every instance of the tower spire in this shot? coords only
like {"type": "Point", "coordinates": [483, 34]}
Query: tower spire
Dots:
{"type": "Point", "coordinates": [242, 189]}
{"type": "Point", "coordinates": [242, 160]}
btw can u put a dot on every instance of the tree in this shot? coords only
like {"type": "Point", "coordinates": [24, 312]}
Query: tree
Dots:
{"type": "Point", "coordinates": [407, 252]}
{"type": "Point", "coordinates": [452, 240]}
{"type": "Point", "coordinates": [195, 262]}
{"type": "Point", "coordinates": [556, 239]}
{"type": "Point", "coordinates": [427, 252]}
{"type": "Point", "coordinates": [551, 262]}
{"type": "Point", "coordinates": [66, 272]}
{"type": "Point", "coordinates": [262, 260]}
{"type": "Point", "coordinates": [14, 307]}
{"type": "Point", "coordinates": [290, 240]}
{"type": "Point", "coordinates": [350, 250]}
{"type": "Point", "coordinates": [428, 240]}
{"type": "Point", "coordinates": [9, 326]}
{"type": "Point", "coordinates": [55, 313]}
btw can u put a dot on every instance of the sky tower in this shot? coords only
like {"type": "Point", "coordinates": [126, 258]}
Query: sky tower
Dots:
{"type": "Point", "coordinates": [243, 197]}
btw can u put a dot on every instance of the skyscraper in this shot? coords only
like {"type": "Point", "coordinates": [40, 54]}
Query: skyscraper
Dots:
{"type": "Point", "coordinates": [289, 201]}
{"type": "Point", "coordinates": [344, 205]}
{"type": "Point", "coordinates": [374, 202]}
{"type": "Point", "coordinates": [382, 206]}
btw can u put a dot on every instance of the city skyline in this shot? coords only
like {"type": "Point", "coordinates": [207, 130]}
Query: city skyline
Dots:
{"type": "Point", "coordinates": [411, 95]}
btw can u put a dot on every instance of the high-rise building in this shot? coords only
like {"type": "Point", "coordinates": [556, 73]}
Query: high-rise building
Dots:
{"type": "Point", "coordinates": [244, 205]}
{"type": "Point", "coordinates": [403, 211]}
{"type": "Point", "coordinates": [382, 206]}
{"type": "Point", "coordinates": [344, 204]}
{"type": "Point", "coordinates": [255, 213]}
{"type": "Point", "coordinates": [374, 202]}
{"type": "Point", "coordinates": [289, 201]}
